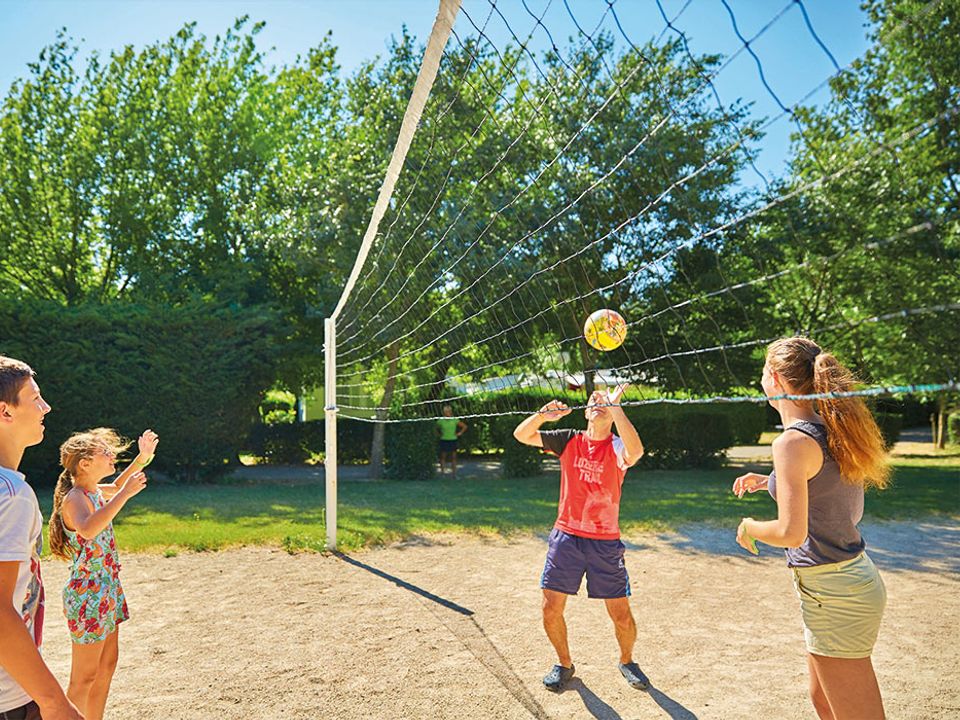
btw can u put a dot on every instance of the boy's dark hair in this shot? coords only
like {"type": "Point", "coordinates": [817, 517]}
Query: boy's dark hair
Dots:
{"type": "Point", "coordinates": [13, 373]}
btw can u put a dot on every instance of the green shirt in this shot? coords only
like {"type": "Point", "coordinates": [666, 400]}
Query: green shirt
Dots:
{"type": "Point", "coordinates": [448, 428]}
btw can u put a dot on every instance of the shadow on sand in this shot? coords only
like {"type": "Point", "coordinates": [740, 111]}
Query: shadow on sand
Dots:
{"type": "Point", "coordinates": [449, 604]}
{"type": "Point", "coordinates": [602, 711]}
{"type": "Point", "coordinates": [463, 626]}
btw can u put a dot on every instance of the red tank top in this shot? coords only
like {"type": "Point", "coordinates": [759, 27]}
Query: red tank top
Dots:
{"type": "Point", "coordinates": [591, 477]}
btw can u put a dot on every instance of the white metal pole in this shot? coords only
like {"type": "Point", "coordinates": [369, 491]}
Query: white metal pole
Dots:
{"type": "Point", "coordinates": [330, 412]}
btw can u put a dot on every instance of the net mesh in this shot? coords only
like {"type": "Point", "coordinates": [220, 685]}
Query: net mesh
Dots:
{"type": "Point", "coordinates": [550, 178]}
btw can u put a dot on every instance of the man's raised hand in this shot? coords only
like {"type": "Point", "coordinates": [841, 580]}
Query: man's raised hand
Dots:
{"type": "Point", "coordinates": [554, 410]}
{"type": "Point", "coordinates": [617, 393]}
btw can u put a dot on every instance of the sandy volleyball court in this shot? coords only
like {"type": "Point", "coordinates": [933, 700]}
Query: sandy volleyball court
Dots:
{"type": "Point", "coordinates": [450, 628]}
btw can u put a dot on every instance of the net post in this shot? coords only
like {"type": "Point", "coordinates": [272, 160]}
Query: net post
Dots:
{"type": "Point", "coordinates": [442, 27]}
{"type": "Point", "coordinates": [330, 414]}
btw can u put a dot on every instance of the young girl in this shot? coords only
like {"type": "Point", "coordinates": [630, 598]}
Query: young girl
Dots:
{"type": "Point", "coordinates": [81, 531]}
{"type": "Point", "coordinates": [830, 450]}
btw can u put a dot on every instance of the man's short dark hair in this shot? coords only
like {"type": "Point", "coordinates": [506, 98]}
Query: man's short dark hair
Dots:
{"type": "Point", "coordinates": [13, 374]}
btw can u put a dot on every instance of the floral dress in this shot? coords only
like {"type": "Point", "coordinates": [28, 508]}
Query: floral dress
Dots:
{"type": "Point", "coordinates": [93, 600]}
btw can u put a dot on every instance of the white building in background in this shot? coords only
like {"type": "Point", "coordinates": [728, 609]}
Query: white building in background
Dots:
{"type": "Point", "coordinates": [310, 402]}
{"type": "Point", "coordinates": [550, 379]}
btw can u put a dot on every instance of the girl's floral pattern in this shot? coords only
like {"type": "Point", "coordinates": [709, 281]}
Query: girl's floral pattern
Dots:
{"type": "Point", "coordinates": [93, 600]}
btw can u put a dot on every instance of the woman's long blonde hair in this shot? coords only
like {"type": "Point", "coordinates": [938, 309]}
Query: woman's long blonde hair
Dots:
{"type": "Point", "coordinates": [79, 446]}
{"type": "Point", "coordinates": [853, 436]}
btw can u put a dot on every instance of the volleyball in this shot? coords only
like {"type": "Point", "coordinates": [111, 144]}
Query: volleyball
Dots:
{"type": "Point", "coordinates": [605, 330]}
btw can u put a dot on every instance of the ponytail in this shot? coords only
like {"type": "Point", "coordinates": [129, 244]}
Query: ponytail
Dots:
{"type": "Point", "coordinates": [853, 435]}
{"type": "Point", "coordinates": [58, 535]}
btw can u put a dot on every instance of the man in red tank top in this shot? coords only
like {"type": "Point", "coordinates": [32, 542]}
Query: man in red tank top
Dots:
{"type": "Point", "coordinates": [586, 536]}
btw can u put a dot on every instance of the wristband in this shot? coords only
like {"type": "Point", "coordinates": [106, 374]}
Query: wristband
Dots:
{"type": "Point", "coordinates": [143, 463]}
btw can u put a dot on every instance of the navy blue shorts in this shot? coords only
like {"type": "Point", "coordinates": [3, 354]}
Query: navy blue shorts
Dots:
{"type": "Point", "coordinates": [447, 446]}
{"type": "Point", "coordinates": [569, 557]}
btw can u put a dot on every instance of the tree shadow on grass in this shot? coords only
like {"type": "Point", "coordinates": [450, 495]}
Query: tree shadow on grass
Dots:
{"type": "Point", "coordinates": [395, 505]}
{"type": "Point", "coordinates": [931, 545]}
{"type": "Point", "coordinates": [698, 503]}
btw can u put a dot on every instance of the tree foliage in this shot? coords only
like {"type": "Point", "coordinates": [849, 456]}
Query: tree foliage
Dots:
{"type": "Point", "coordinates": [188, 174]}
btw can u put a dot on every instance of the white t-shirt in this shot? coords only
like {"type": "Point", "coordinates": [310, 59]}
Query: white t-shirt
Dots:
{"type": "Point", "coordinates": [21, 541]}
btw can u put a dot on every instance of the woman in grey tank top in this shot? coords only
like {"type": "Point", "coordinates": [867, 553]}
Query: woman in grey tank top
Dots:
{"type": "Point", "coordinates": [830, 450]}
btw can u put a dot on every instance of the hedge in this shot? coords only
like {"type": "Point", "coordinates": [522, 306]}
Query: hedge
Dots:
{"type": "Point", "coordinates": [410, 451]}
{"type": "Point", "coordinates": [912, 411]}
{"type": "Point", "coordinates": [747, 420]}
{"type": "Point", "coordinates": [194, 374]}
{"type": "Point", "coordinates": [521, 461]}
{"type": "Point", "coordinates": [953, 428]}
{"type": "Point", "coordinates": [890, 426]}
{"type": "Point", "coordinates": [674, 435]}
{"type": "Point", "coordinates": [293, 443]}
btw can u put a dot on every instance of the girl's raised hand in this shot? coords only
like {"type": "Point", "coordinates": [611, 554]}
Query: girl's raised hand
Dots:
{"type": "Point", "coordinates": [134, 484]}
{"type": "Point", "coordinates": [147, 444]}
{"type": "Point", "coordinates": [751, 482]}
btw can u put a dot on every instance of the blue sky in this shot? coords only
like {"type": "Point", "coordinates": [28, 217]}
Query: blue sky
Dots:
{"type": "Point", "coordinates": [792, 62]}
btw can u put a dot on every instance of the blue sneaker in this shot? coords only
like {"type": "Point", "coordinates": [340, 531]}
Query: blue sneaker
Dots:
{"type": "Point", "coordinates": [558, 677]}
{"type": "Point", "coordinates": [634, 675]}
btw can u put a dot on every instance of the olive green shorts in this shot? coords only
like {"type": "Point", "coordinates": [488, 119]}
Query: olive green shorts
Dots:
{"type": "Point", "coordinates": [842, 605]}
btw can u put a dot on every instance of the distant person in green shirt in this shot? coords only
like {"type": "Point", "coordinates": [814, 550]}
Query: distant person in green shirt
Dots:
{"type": "Point", "coordinates": [449, 429]}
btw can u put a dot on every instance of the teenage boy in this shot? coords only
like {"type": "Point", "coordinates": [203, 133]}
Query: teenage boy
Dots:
{"type": "Point", "coordinates": [28, 690]}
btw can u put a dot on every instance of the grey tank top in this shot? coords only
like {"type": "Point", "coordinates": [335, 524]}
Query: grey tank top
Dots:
{"type": "Point", "coordinates": [834, 508]}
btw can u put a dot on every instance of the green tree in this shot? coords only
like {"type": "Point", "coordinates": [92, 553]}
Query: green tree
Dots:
{"type": "Point", "coordinates": [864, 227]}
{"type": "Point", "coordinates": [892, 119]}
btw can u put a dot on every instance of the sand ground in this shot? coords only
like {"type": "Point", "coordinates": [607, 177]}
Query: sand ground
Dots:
{"type": "Point", "coordinates": [449, 627]}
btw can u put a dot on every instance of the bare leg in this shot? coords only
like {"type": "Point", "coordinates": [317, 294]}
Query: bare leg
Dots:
{"type": "Point", "coordinates": [819, 698]}
{"type": "Point", "coordinates": [85, 663]}
{"type": "Point", "coordinates": [97, 698]}
{"type": "Point", "coordinates": [453, 462]}
{"type": "Point", "coordinates": [850, 687]}
{"type": "Point", "coordinates": [553, 605]}
{"type": "Point", "coordinates": [624, 626]}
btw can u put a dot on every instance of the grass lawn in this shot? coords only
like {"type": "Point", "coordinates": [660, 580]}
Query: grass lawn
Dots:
{"type": "Point", "coordinates": [172, 518]}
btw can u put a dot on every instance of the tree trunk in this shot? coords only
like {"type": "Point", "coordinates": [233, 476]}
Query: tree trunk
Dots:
{"type": "Point", "coordinates": [376, 451]}
{"type": "Point", "coordinates": [376, 447]}
{"type": "Point", "coordinates": [439, 385]}
{"type": "Point", "coordinates": [301, 406]}
{"type": "Point", "coordinates": [940, 441]}
{"type": "Point", "coordinates": [588, 382]}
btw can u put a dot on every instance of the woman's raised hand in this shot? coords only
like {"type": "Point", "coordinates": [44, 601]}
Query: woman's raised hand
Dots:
{"type": "Point", "coordinates": [749, 483]}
